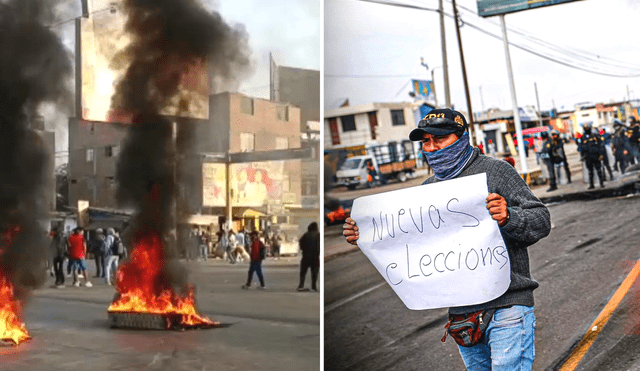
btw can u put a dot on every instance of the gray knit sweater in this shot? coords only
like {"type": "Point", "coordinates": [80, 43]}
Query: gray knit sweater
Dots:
{"type": "Point", "coordinates": [529, 221]}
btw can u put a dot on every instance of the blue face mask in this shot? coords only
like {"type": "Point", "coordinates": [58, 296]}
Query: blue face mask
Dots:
{"type": "Point", "coordinates": [448, 162]}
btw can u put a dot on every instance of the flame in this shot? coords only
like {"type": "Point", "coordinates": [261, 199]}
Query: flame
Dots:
{"type": "Point", "coordinates": [11, 327]}
{"type": "Point", "coordinates": [143, 288]}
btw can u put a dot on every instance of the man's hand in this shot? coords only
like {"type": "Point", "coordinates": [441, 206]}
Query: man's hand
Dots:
{"type": "Point", "coordinates": [350, 231]}
{"type": "Point", "coordinates": [497, 207]}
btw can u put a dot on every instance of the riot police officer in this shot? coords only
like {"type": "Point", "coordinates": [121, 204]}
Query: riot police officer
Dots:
{"type": "Point", "coordinates": [546, 155]}
{"type": "Point", "coordinates": [633, 134]}
{"type": "Point", "coordinates": [557, 149]}
{"type": "Point", "coordinates": [592, 152]}
{"type": "Point", "coordinates": [621, 146]}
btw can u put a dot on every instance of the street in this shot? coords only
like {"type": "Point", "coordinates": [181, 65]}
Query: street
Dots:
{"type": "Point", "coordinates": [277, 328]}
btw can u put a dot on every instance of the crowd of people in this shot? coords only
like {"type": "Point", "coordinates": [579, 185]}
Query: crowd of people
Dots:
{"type": "Point", "coordinates": [107, 250]}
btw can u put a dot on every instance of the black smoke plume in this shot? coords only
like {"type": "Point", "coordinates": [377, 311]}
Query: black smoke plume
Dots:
{"type": "Point", "coordinates": [34, 68]}
{"type": "Point", "coordinates": [169, 38]}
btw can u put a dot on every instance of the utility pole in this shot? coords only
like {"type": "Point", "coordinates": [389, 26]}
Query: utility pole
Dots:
{"type": "Point", "coordinates": [481, 99]}
{"type": "Point", "coordinates": [445, 65]}
{"type": "Point", "coordinates": [516, 110]}
{"type": "Point", "coordinates": [464, 74]}
{"type": "Point", "coordinates": [535, 86]}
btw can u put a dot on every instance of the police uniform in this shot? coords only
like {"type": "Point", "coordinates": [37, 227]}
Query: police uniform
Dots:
{"type": "Point", "coordinates": [620, 143]}
{"type": "Point", "coordinates": [592, 150]}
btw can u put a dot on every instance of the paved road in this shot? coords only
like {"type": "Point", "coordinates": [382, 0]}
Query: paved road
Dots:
{"type": "Point", "coordinates": [276, 329]}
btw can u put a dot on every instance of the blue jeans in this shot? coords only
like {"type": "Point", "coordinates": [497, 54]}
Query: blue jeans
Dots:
{"type": "Point", "coordinates": [508, 344]}
{"type": "Point", "coordinates": [256, 266]}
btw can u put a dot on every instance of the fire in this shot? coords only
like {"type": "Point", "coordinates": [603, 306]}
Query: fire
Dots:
{"type": "Point", "coordinates": [143, 288]}
{"type": "Point", "coordinates": [11, 327]}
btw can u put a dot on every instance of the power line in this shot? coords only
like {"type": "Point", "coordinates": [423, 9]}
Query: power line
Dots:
{"type": "Point", "coordinates": [583, 61]}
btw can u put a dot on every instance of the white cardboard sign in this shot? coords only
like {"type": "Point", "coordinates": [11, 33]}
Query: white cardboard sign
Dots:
{"type": "Point", "coordinates": [436, 245]}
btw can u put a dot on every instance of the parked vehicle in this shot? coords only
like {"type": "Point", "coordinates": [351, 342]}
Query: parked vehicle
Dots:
{"type": "Point", "coordinates": [391, 160]}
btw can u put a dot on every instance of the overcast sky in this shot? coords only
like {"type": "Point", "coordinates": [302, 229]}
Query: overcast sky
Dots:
{"type": "Point", "coordinates": [369, 40]}
{"type": "Point", "coordinates": [290, 29]}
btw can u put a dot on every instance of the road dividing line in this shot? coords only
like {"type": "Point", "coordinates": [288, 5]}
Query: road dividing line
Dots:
{"type": "Point", "coordinates": [344, 301]}
{"type": "Point", "coordinates": [596, 327]}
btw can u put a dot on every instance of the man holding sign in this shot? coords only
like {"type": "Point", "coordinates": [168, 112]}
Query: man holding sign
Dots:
{"type": "Point", "coordinates": [461, 244]}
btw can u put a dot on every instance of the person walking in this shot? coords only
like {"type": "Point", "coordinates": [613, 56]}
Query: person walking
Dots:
{"type": "Point", "coordinates": [592, 151]}
{"type": "Point", "coordinates": [258, 254]}
{"type": "Point", "coordinates": [523, 220]}
{"type": "Point", "coordinates": [59, 253]}
{"type": "Point", "coordinates": [372, 175]}
{"type": "Point", "coordinates": [98, 248]}
{"type": "Point", "coordinates": [77, 249]}
{"type": "Point", "coordinates": [546, 155]}
{"type": "Point", "coordinates": [310, 247]}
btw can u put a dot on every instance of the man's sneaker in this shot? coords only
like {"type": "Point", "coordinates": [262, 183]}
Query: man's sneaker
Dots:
{"type": "Point", "coordinates": [300, 289]}
{"type": "Point", "coordinates": [262, 287]}
{"type": "Point", "coordinates": [80, 276]}
{"type": "Point", "coordinates": [88, 284]}
{"type": "Point", "coordinates": [76, 284]}
{"type": "Point", "coordinates": [245, 287]}
{"type": "Point", "coordinates": [60, 286]}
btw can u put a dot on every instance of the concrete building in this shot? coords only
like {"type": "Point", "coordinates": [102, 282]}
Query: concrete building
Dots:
{"type": "Point", "coordinates": [298, 87]}
{"type": "Point", "coordinates": [271, 190]}
{"type": "Point", "coordinates": [370, 123]}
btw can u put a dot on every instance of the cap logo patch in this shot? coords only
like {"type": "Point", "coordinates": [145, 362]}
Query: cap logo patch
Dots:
{"type": "Point", "coordinates": [459, 121]}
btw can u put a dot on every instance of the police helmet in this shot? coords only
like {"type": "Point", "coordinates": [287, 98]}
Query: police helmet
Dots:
{"type": "Point", "coordinates": [544, 134]}
{"type": "Point", "coordinates": [617, 122]}
{"type": "Point", "coordinates": [555, 132]}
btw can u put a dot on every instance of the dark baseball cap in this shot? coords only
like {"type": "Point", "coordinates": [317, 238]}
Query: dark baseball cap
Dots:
{"type": "Point", "coordinates": [441, 121]}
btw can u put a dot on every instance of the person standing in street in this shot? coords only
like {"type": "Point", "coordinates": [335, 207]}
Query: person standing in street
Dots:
{"type": "Point", "coordinates": [204, 246]}
{"type": "Point", "coordinates": [523, 220]}
{"type": "Point", "coordinates": [99, 249]}
{"type": "Point", "coordinates": [592, 151]}
{"type": "Point", "coordinates": [634, 138]}
{"type": "Point", "coordinates": [77, 248]}
{"type": "Point", "coordinates": [59, 252]}
{"type": "Point", "coordinates": [621, 147]}
{"type": "Point", "coordinates": [559, 156]}
{"type": "Point", "coordinates": [258, 254]}
{"type": "Point", "coordinates": [111, 256]}
{"type": "Point", "coordinates": [372, 175]}
{"type": "Point", "coordinates": [310, 247]}
{"type": "Point", "coordinates": [546, 155]}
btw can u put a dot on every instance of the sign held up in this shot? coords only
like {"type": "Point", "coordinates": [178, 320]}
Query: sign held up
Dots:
{"type": "Point", "coordinates": [436, 245]}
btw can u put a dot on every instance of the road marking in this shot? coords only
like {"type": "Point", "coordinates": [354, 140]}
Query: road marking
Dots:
{"type": "Point", "coordinates": [344, 301]}
{"type": "Point", "coordinates": [596, 327]}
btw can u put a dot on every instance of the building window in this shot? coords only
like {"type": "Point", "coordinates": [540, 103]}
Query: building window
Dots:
{"type": "Point", "coordinates": [310, 187]}
{"type": "Point", "coordinates": [282, 143]}
{"type": "Point", "coordinates": [282, 113]}
{"type": "Point", "coordinates": [89, 154]}
{"type": "Point", "coordinates": [348, 123]}
{"type": "Point", "coordinates": [246, 105]}
{"type": "Point", "coordinates": [111, 151]}
{"type": "Point", "coordinates": [397, 117]}
{"type": "Point", "coordinates": [247, 142]}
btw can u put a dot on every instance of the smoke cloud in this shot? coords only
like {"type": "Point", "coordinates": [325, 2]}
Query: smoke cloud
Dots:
{"type": "Point", "coordinates": [170, 37]}
{"type": "Point", "coordinates": [34, 68]}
